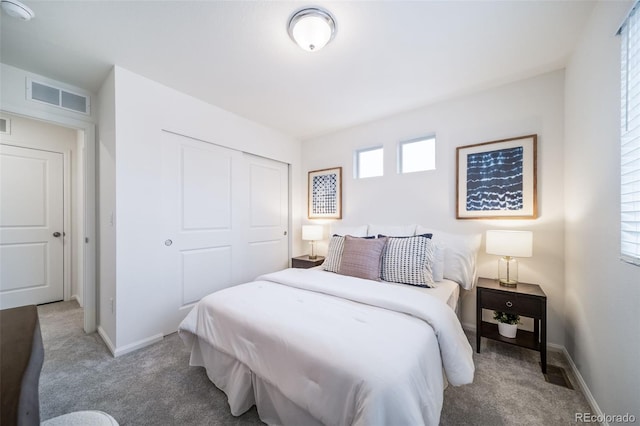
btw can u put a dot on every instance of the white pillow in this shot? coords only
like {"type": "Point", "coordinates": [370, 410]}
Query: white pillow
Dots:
{"type": "Point", "coordinates": [392, 231]}
{"type": "Point", "coordinates": [354, 231]}
{"type": "Point", "coordinates": [460, 255]}
{"type": "Point", "coordinates": [438, 263]}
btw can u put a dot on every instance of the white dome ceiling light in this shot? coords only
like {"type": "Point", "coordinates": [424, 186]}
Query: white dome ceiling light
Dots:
{"type": "Point", "coordinates": [312, 28]}
{"type": "Point", "coordinates": [17, 9]}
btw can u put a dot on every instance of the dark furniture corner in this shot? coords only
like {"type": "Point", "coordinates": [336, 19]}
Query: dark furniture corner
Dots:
{"type": "Point", "coordinates": [527, 300]}
{"type": "Point", "coordinates": [305, 263]}
{"type": "Point", "coordinates": [21, 358]}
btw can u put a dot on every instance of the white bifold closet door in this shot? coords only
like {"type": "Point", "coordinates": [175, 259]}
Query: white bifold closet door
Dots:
{"type": "Point", "coordinates": [225, 215]}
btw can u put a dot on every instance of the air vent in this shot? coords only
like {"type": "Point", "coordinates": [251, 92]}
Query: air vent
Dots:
{"type": "Point", "coordinates": [56, 96]}
{"type": "Point", "coordinates": [5, 126]}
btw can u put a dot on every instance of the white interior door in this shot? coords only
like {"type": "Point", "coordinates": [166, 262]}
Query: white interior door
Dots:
{"type": "Point", "coordinates": [225, 215]}
{"type": "Point", "coordinates": [31, 226]}
{"type": "Point", "coordinates": [266, 243]}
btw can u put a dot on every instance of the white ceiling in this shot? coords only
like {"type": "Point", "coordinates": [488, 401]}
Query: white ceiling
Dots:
{"type": "Point", "coordinates": [387, 56]}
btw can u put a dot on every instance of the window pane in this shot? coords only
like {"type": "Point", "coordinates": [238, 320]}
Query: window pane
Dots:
{"type": "Point", "coordinates": [417, 156]}
{"type": "Point", "coordinates": [370, 163]}
{"type": "Point", "coordinates": [630, 141]}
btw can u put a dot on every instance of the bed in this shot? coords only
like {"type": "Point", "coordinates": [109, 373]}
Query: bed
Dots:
{"type": "Point", "coordinates": [314, 347]}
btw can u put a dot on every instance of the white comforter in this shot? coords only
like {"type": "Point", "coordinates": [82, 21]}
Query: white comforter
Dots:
{"type": "Point", "coordinates": [346, 350]}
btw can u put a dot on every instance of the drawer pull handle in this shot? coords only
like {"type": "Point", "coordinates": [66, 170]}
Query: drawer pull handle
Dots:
{"type": "Point", "coordinates": [509, 304]}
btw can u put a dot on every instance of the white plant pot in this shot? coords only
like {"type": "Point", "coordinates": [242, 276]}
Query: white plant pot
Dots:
{"type": "Point", "coordinates": [507, 330]}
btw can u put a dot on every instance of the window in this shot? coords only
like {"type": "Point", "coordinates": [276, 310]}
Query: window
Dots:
{"type": "Point", "coordinates": [417, 155]}
{"type": "Point", "coordinates": [369, 162]}
{"type": "Point", "coordinates": [630, 140]}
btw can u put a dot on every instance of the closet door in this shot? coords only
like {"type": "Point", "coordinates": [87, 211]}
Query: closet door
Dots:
{"type": "Point", "coordinates": [225, 219]}
{"type": "Point", "coordinates": [266, 246]}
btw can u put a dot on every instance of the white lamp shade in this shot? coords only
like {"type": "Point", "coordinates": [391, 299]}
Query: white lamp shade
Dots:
{"type": "Point", "coordinates": [311, 232]}
{"type": "Point", "coordinates": [510, 243]}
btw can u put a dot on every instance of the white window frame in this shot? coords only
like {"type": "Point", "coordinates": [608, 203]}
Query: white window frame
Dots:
{"type": "Point", "coordinates": [412, 141]}
{"type": "Point", "coordinates": [356, 161]}
{"type": "Point", "coordinates": [630, 139]}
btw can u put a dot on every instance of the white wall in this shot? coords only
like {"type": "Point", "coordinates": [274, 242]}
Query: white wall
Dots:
{"type": "Point", "coordinates": [106, 253]}
{"type": "Point", "coordinates": [14, 96]}
{"type": "Point", "coordinates": [144, 108]}
{"type": "Point", "coordinates": [602, 293]}
{"type": "Point", "coordinates": [532, 106]}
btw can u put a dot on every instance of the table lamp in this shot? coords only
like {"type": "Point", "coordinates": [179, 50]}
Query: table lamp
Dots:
{"type": "Point", "coordinates": [509, 245]}
{"type": "Point", "coordinates": [312, 233]}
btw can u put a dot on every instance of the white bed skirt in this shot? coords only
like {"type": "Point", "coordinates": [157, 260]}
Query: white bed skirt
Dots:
{"type": "Point", "coordinates": [244, 389]}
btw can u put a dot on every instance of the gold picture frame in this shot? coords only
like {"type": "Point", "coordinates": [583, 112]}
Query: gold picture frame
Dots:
{"type": "Point", "coordinates": [498, 179]}
{"type": "Point", "coordinates": [324, 197]}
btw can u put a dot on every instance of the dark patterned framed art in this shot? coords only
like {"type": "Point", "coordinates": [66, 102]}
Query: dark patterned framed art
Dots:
{"type": "Point", "coordinates": [498, 179]}
{"type": "Point", "coordinates": [325, 194]}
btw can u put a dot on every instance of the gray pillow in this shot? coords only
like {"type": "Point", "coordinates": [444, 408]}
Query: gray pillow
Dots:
{"type": "Point", "coordinates": [362, 257]}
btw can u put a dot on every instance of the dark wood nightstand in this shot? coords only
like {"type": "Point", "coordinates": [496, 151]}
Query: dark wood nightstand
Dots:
{"type": "Point", "coordinates": [527, 300]}
{"type": "Point", "coordinates": [305, 263]}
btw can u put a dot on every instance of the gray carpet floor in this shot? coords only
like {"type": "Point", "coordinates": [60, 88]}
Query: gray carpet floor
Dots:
{"type": "Point", "coordinates": [156, 386]}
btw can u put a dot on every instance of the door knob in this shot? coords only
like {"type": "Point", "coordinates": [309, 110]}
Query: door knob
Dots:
{"type": "Point", "coordinates": [56, 234]}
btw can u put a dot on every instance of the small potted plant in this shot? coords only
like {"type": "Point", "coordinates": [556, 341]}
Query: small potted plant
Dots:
{"type": "Point", "coordinates": [507, 323]}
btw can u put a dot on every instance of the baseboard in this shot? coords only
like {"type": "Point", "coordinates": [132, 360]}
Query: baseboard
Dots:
{"type": "Point", "coordinates": [468, 326]}
{"type": "Point", "coordinates": [77, 299]}
{"type": "Point", "coordinates": [105, 338]}
{"type": "Point", "coordinates": [581, 383]}
{"type": "Point", "coordinates": [116, 352]}
{"type": "Point", "coordinates": [137, 345]}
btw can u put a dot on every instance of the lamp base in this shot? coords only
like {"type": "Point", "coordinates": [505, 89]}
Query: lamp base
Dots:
{"type": "Point", "coordinates": [508, 271]}
{"type": "Point", "coordinates": [313, 257]}
{"type": "Point", "coordinates": [508, 283]}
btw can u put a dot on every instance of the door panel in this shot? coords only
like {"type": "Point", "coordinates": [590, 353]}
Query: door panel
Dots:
{"type": "Point", "coordinates": [31, 211]}
{"type": "Point", "coordinates": [267, 235]}
{"type": "Point", "coordinates": [205, 188]}
{"type": "Point", "coordinates": [204, 271]}
{"type": "Point", "coordinates": [225, 216]}
{"type": "Point", "coordinates": [198, 220]}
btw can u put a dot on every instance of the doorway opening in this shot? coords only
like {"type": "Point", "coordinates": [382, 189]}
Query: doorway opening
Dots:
{"type": "Point", "coordinates": [42, 142]}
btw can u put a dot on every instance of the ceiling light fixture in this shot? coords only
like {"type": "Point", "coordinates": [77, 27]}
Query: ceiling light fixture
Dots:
{"type": "Point", "coordinates": [312, 28]}
{"type": "Point", "coordinates": [17, 9]}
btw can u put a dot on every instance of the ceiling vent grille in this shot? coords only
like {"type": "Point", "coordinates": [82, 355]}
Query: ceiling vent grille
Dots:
{"type": "Point", "coordinates": [57, 96]}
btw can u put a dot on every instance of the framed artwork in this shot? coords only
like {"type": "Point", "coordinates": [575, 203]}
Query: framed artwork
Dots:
{"type": "Point", "coordinates": [497, 180]}
{"type": "Point", "coordinates": [325, 194]}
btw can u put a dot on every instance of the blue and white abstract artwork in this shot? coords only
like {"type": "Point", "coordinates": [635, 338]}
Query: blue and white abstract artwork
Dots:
{"type": "Point", "coordinates": [495, 180]}
{"type": "Point", "coordinates": [325, 194]}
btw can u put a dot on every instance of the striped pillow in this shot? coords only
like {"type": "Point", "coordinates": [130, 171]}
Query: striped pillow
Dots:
{"type": "Point", "coordinates": [334, 254]}
{"type": "Point", "coordinates": [409, 261]}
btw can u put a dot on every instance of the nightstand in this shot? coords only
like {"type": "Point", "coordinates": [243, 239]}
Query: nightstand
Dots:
{"type": "Point", "coordinates": [305, 263]}
{"type": "Point", "coordinates": [527, 300]}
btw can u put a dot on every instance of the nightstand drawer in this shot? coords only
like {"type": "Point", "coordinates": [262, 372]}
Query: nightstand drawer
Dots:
{"type": "Point", "coordinates": [517, 303]}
